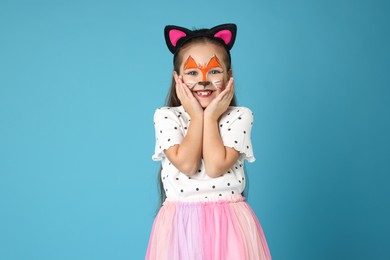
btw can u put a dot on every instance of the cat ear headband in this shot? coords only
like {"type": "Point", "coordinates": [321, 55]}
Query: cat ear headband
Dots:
{"type": "Point", "coordinates": [176, 36]}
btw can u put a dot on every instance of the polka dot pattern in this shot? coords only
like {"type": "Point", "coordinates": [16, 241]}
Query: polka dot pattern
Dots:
{"type": "Point", "coordinates": [171, 125]}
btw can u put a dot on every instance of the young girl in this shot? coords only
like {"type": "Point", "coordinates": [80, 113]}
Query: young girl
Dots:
{"type": "Point", "coordinates": [202, 140]}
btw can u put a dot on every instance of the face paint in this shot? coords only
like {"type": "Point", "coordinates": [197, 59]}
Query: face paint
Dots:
{"type": "Point", "coordinates": [217, 84]}
{"type": "Point", "coordinates": [210, 74]}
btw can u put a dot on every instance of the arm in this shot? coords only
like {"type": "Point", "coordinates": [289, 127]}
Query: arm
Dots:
{"type": "Point", "coordinates": [186, 155]}
{"type": "Point", "coordinates": [218, 158]}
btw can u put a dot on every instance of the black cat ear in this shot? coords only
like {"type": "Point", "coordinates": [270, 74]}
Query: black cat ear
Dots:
{"type": "Point", "coordinates": [176, 36]}
{"type": "Point", "coordinates": [173, 34]}
{"type": "Point", "coordinates": [226, 32]}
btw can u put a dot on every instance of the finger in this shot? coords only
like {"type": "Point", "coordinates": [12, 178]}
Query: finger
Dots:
{"type": "Point", "coordinates": [229, 89]}
{"type": "Point", "coordinates": [179, 91]}
{"type": "Point", "coordinates": [178, 94]}
{"type": "Point", "coordinates": [225, 96]}
{"type": "Point", "coordinates": [187, 91]}
{"type": "Point", "coordinates": [226, 92]}
{"type": "Point", "coordinates": [231, 92]}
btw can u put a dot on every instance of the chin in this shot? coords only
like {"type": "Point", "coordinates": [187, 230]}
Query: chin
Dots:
{"type": "Point", "coordinates": [203, 104]}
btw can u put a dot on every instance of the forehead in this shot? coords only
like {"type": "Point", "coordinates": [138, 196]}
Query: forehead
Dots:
{"type": "Point", "coordinates": [203, 52]}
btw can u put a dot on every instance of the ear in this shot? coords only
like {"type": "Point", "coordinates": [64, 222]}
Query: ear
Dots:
{"type": "Point", "coordinates": [175, 76]}
{"type": "Point", "coordinates": [230, 73]}
{"type": "Point", "coordinates": [173, 34]}
{"type": "Point", "coordinates": [225, 32]}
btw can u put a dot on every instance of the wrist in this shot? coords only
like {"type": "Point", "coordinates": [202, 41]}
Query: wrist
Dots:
{"type": "Point", "coordinates": [210, 118]}
{"type": "Point", "coordinates": [196, 117]}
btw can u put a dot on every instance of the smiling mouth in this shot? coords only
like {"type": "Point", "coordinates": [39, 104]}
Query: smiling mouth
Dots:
{"type": "Point", "coordinates": [204, 93]}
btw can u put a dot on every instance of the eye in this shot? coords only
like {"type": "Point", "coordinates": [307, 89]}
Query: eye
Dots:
{"type": "Point", "coordinates": [191, 73]}
{"type": "Point", "coordinates": [215, 72]}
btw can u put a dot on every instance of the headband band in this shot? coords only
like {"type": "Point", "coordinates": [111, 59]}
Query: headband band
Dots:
{"type": "Point", "coordinates": [176, 36]}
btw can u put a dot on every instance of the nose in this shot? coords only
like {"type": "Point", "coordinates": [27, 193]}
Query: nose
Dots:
{"type": "Point", "coordinates": [204, 83]}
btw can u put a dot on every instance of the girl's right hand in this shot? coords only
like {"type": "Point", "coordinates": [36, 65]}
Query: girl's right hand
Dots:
{"type": "Point", "coordinates": [189, 102]}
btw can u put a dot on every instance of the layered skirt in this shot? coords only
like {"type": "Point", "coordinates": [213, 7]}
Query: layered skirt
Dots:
{"type": "Point", "coordinates": [207, 230]}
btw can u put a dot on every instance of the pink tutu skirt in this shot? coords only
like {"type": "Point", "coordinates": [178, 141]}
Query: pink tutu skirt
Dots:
{"type": "Point", "coordinates": [208, 230]}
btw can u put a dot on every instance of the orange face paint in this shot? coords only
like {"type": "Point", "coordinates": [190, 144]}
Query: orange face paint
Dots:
{"type": "Point", "coordinates": [213, 63]}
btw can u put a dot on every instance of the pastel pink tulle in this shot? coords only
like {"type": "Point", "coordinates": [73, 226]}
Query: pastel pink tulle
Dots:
{"type": "Point", "coordinates": [214, 230]}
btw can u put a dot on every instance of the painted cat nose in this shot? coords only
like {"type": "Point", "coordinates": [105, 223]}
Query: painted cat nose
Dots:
{"type": "Point", "coordinates": [204, 83]}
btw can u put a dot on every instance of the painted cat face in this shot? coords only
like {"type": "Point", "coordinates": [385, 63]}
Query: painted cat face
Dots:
{"type": "Point", "coordinates": [208, 75]}
{"type": "Point", "coordinates": [204, 71]}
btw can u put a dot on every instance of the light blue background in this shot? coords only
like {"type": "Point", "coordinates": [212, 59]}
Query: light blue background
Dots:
{"type": "Point", "coordinates": [79, 83]}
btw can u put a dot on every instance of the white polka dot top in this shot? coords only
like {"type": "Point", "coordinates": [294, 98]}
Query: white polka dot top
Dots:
{"type": "Point", "coordinates": [235, 125]}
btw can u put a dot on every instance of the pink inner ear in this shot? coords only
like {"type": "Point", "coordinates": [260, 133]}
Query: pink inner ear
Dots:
{"type": "Point", "coordinates": [225, 35]}
{"type": "Point", "coordinates": [175, 35]}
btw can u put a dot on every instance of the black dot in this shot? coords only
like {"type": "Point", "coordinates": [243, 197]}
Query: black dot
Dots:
{"type": "Point", "coordinates": [247, 146]}
{"type": "Point", "coordinates": [160, 131]}
{"type": "Point", "coordinates": [239, 118]}
{"type": "Point", "coordinates": [178, 115]}
{"type": "Point", "coordinates": [213, 186]}
{"type": "Point", "coordinates": [166, 117]}
{"type": "Point", "coordinates": [177, 179]}
{"type": "Point", "coordinates": [240, 165]}
{"type": "Point", "coordinates": [244, 132]}
{"type": "Point", "coordinates": [228, 171]}
{"type": "Point", "coordinates": [239, 181]}
{"type": "Point", "coordinates": [185, 128]}
{"type": "Point", "coordinates": [175, 127]}
{"type": "Point", "coordinates": [197, 189]}
{"type": "Point", "coordinates": [228, 184]}
{"type": "Point", "coordinates": [166, 189]}
{"type": "Point", "coordinates": [220, 125]}
{"type": "Point", "coordinates": [189, 177]}
{"type": "Point", "coordinates": [232, 192]}
{"type": "Point", "coordinates": [243, 178]}
{"type": "Point", "coordinates": [227, 122]}
{"type": "Point", "coordinates": [236, 167]}
{"type": "Point", "coordinates": [228, 129]}
{"type": "Point", "coordinates": [199, 170]}
{"type": "Point", "coordinates": [235, 141]}
{"type": "Point", "coordinates": [160, 146]}
{"type": "Point", "coordinates": [181, 190]}
{"type": "Point", "coordinates": [220, 194]}
{"type": "Point", "coordinates": [164, 178]}
{"type": "Point", "coordinates": [238, 110]}
{"type": "Point", "coordinates": [169, 140]}
{"type": "Point", "coordinates": [228, 113]}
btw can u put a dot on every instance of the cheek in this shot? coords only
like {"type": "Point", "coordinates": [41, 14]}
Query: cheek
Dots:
{"type": "Point", "coordinates": [221, 82]}
{"type": "Point", "coordinates": [190, 81]}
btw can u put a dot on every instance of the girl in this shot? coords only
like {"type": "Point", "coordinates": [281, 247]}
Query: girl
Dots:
{"type": "Point", "coordinates": [202, 140]}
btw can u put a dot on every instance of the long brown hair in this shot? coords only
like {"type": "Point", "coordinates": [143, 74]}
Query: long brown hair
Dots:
{"type": "Point", "coordinates": [173, 101]}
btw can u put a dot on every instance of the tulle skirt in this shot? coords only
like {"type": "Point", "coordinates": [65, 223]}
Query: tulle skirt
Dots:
{"type": "Point", "coordinates": [207, 230]}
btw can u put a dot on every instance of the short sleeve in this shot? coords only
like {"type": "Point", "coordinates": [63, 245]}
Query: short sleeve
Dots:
{"type": "Point", "coordinates": [235, 128]}
{"type": "Point", "coordinates": [168, 131]}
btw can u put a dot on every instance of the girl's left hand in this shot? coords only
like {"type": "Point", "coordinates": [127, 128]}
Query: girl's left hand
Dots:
{"type": "Point", "coordinates": [220, 104]}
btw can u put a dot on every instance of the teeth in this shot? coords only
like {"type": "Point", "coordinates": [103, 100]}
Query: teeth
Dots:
{"type": "Point", "coordinates": [204, 93]}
